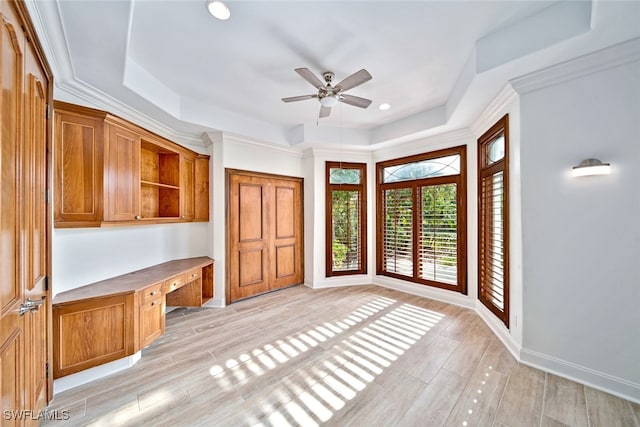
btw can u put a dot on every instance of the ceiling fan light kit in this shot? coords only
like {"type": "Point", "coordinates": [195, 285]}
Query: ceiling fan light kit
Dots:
{"type": "Point", "coordinates": [329, 101]}
{"type": "Point", "coordinates": [329, 94]}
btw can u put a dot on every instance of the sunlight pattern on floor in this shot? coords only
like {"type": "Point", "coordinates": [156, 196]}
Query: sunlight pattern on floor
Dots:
{"type": "Point", "coordinates": [351, 364]}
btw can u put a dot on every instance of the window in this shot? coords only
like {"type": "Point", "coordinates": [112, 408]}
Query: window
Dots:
{"type": "Point", "coordinates": [421, 219]}
{"type": "Point", "coordinates": [346, 240]}
{"type": "Point", "coordinates": [493, 219]}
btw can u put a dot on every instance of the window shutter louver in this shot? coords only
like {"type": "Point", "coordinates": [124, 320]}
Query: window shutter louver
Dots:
{"type": "Point", "coordinates": [491, 246]}
{"type": "Point", "coordinates": [493, 214]}
{"type": "Point", "coordinates": [438, 258]}
{"type": "Point", "coordinates": [347, 248]}
{"type": "Point", "coordinates": [398, 231]}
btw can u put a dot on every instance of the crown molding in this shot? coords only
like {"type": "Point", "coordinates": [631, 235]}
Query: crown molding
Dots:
{"type": "Point", "coordinates": [493, 111]}
{"type": "Point", "coordinates": [254, 142]}
{"type": "Point", "coordinates": [435, 142]}
{"type": "Point", "coordinates": [600, 60]}
{"type": "Point", "coordinates": [98, 99]}
{"type": "Point", "coordinates": [52, 38]}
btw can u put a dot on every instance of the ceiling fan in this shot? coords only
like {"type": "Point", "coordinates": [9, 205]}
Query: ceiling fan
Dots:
{"type": "Point", "coordinates": [329, 94]}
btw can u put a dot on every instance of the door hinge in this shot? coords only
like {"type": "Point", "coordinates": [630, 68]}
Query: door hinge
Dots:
{"type": "Point", "coordinates": [46, 283]}
{"type": "Point", "coordinates": [47, 112]}
{"type": "Point", "coordinates": [46, 370]}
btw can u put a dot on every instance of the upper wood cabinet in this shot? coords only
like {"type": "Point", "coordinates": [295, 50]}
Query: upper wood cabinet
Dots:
{"type": "Point", "coordinates": [187, 185]}
{"type": "Point", "coordinates": [202, 188]}
{"type": "Point", "coordinates": [122, 174]}
{"type": "Point", "coordinates": [109, 171]}
{"type": "Point", "coordinates": [78, 167]}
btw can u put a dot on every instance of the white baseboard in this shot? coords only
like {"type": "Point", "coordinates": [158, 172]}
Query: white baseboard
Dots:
{"type": "Point", "coordinates": [443, 295]}
{"type": "Point", "coordinates": [216, 302]}
{"type": "Point", "coordinates": [499, 330]}
{"type": "Point", "coordinates": [590, 377]}
{"type": "Point", "coordinates": [95, 373]}
{"type": "Point", "coordinates": [340, 281]}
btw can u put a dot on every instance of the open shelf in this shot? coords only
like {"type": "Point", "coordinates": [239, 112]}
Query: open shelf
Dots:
{"type": "Point", "coordinates": [159, 181]}
{"type": "Point", "coordinates": [155, 184]}
{"type": "Point", "coordinates": [159, 201]}
{"type": "Point", "coordinates": [159, 165]}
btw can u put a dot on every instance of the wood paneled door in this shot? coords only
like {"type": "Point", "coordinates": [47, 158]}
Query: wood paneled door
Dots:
{"type": "Point", "coordinates": [24, 249]}
{"type": "Point", "coordinates": [264, 233]}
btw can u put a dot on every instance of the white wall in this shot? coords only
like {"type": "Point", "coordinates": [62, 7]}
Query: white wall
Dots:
{"type": "Point", "coordinates": [86, 255]}
{"type": "Point", "coordinates": [581, 236]}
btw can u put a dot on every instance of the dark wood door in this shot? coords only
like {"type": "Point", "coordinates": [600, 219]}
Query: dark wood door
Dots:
{"type": "Point", "coordinates": [264, 241]}
{"type": "Point", "coordinates": [24, 248]}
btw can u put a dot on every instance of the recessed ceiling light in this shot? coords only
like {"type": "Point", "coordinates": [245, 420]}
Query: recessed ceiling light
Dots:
{"type": "Point", "coordinates": [218, 10]}
{"type": "Point", "coordinates": [384, 107]}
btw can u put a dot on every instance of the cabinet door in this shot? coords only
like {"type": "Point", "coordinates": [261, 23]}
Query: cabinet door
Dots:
{"type": "Point", "coordinates": [91, 332]}
{"type": "Point", "coordinates": [202, 188]}
{"type": "Point", "coordinates": [152, 322]}
{"type": "Point", "coordinates": [187, 187]}
{"type": "Point", "coordinates": [122, 174]}
{"type": "Point", "coordinates": [78, 154]}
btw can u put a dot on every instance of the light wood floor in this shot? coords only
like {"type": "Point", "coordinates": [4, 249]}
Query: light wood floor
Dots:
{"type": "Point", "coordinates": [361, 356]}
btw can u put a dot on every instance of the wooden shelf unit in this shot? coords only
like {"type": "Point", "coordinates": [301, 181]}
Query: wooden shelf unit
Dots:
{"type": "Point", "coordinates": [112, 172]}
{"type": "Point", "coordinates": [117, 317]}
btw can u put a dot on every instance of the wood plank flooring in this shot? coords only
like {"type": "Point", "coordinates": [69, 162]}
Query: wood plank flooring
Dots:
{"type": "Point", "coordinates": [356, 356]}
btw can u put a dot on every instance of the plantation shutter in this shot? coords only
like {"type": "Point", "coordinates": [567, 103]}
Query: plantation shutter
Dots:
{"type": "Point", "coordinates": [439, 234]}
{"type": "Point", "coordinates": [493, 220]}
{"type": "Point", "coordinates": [398, 231]}
{"type": "Point", "coordinates": [345, 230]}
{"type": "Point", "coordinates": [491, 241]}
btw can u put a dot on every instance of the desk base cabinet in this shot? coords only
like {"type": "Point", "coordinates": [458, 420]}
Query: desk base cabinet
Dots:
{"type": "Point", "coordinates": [92, 327]}
{"type": "Point", "coordinates": [91, 332]}
{"type": "Point", "coordinates": [152, 323]}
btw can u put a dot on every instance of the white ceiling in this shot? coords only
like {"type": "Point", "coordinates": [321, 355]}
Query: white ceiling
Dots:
{"type": "Point", "coordinates": [437, 63]}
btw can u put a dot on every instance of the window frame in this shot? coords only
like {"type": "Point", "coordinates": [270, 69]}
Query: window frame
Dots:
{"type": "Point", "coordinates": [329, 189]}
{"type": "Point", "coordinates": [501, 127]}
{"type": "Point", "coordinates": [461, 214]}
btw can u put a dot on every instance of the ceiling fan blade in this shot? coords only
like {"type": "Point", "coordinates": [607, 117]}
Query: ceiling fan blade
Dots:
{"type": "Point", "coordinates": [324, 111]}
{"type": "Point", "coordinates": [355, 100]}
{"type": "Point", "coordinates": [306, 74]}
{"type": "Point", "coordinates": [299, 98]}
{"type": "Point", "coordinates": [355, 79]}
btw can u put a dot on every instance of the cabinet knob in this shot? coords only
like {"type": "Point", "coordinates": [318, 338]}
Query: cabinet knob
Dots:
{"type": "Point", "coordinates": [154, 293]}
{"type": "Point", "coordinates": [138, 217]}
{"type": "Point", "coordinates": [184, 216]}
{"type": "Point", "coordinates": [154, 303]}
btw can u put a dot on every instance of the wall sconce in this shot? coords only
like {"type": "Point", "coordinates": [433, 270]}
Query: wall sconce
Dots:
{"type": "Point", "coordinates": [591, 167]}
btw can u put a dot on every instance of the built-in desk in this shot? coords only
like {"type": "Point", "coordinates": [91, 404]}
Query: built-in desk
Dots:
{"type": "Point", "coordinates": [116, 317]}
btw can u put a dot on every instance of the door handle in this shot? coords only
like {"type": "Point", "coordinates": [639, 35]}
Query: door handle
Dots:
{"type": "Point", "coordinates": [30, 306]}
